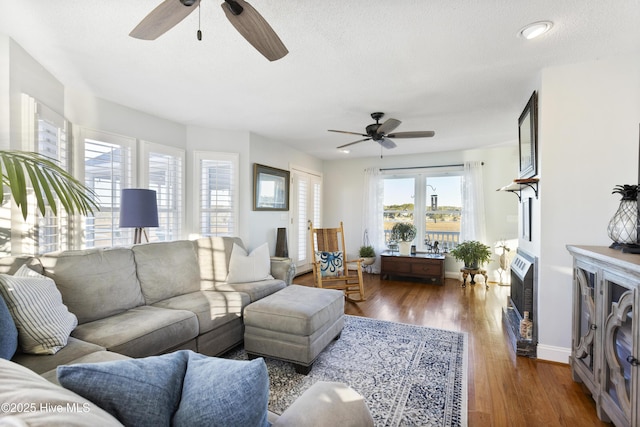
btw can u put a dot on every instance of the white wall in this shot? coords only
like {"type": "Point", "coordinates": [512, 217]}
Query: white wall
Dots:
{"type": "Point", "coordinates": [344, 181]}
{"type": "Point", "coordinates": [263, 225]}
{"type": "Point", "coordinates": [5, 117]}
{"type": "Point", "coordinates": [589, 117]}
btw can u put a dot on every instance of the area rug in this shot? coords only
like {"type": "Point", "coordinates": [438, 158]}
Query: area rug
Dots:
{"type": "Point", "coordinates": [409, 375]}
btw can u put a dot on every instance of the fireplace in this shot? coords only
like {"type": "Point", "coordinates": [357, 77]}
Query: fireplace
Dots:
{"type": "Point", "coordinates": [523, 298]}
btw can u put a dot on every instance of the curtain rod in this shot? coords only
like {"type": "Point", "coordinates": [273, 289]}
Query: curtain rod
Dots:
{"type": "Point", "coordinates": [424, 167]}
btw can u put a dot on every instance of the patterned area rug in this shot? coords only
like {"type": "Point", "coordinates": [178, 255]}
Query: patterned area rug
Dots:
{"type": "Point", "coordinates": [409, 375]}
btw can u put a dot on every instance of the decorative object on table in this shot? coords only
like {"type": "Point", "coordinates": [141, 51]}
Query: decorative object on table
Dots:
{"type": "Point", "coordinates": [270, 188]}
{"type": "Point", "coordinates": [408, 374]}
{"type": "Point", "coordinates": [622, 228]}
{"type": "Point", "coordinates": [138, 209]}
{"type": "Point", "coordinates": [404, 233]}
{"type": "Point", "coordinates": [528, 138]}
{"type": "Point", "coordinates": [368, 254]}
{"type": "Point", "coordinates": [282, 249]}
{"type": "Point", "coordinates": [473, 253]}
{"type": "Point", "coordinates": [503, 260]}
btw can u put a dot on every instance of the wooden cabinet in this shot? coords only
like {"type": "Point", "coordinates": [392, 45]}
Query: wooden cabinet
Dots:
{"type": "Point", "coordinates": [605, 340]}
{"type": "Point", "coordinates": [429, 267]}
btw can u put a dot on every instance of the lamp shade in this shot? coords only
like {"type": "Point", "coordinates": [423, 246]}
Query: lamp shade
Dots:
{"type": "Point", "coordinates": [138, 208]}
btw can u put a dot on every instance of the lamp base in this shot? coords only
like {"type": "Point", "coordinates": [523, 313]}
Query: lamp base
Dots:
{"type": "Point", "coordinates": [137, 235]}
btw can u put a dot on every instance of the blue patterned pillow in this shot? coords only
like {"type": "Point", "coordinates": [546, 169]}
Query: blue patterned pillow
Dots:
{"type": "Point", "coordinates": [331, 263]}
{"type": "Point", "coordinates": [179, 389]}
{"type": "Point", "coordinates": [8, 332]}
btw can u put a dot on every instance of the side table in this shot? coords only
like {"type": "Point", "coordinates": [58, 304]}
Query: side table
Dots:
{"type": "Point", "coordinates": [473, 271]}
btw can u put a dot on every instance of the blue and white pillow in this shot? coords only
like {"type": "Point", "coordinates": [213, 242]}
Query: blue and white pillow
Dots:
{"type": "Point", "coordinates": [331, 263]}
{"type": "Point", "coordinates": [44, 323]}
{"type": "Point", "coordinates": [8, 332]}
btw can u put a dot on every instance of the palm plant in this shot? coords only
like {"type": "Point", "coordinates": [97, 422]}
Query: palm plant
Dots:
{"type": "Point", "coordinates": [48, 181]}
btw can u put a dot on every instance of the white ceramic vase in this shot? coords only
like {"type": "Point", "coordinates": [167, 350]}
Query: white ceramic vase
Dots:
{"type": "Point", "coordinates": [404, 248]}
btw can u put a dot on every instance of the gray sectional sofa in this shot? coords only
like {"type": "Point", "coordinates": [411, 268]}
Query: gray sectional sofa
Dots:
{"type": "Point", "coordinates": [152, 299]}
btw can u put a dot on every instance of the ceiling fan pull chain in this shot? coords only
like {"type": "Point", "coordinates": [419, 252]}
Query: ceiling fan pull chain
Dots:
{"type": "Point", "coordinates": [199, 32]}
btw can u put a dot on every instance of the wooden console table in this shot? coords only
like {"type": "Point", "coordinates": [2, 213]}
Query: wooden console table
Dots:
{"type": "Point", "coordinates": [429, 267]}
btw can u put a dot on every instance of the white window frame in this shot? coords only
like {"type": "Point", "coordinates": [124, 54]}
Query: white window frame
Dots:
{"type": "Point", "coordinates": [146, 149]}
{"type": "Point", "coordinates": [234, 158]}
{"type": "Point", "coordinates": [129, 180]}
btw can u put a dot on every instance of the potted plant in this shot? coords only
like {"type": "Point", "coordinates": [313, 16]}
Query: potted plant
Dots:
{"type": "Point", "coordinates": [368, 254]}
{"type": "Point", "coordinates": [473, 253]}
{"type": "Point", "coordinates": [404, 233]}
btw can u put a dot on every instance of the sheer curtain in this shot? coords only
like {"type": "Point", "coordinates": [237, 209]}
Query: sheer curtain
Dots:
{"type": "Point", "coordinates": [372, 215]}
{"type": "Point", "coordinates": [472, 222]}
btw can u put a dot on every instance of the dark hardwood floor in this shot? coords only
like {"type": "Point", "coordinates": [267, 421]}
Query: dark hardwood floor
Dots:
{"type": "Point", "coordinates": [504, 390]}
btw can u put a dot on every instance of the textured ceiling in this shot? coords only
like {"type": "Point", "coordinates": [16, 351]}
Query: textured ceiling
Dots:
{"type": "Point", "coordinates": [453, 66]}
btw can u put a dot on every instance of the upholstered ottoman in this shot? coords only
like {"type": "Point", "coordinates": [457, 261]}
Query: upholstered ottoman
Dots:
{"type": "Point", "coordinates": [294, 324]}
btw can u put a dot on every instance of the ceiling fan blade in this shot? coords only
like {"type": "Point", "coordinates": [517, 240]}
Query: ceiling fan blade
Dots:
{"type": "Point", "coordinates": [351, 143]}
{"type": "Point", "coordinates": [255, 29]}
{"type": "Point", "coordinates": [161, 19]}
{"type": "Point", "coordinates": [416, 134]}
{"type": "Point", "coordinates": [388, 126]}
{"type": "Point", "coordinates": [387, 143]}
{"type": "Point", "coordinates": [350, 133]}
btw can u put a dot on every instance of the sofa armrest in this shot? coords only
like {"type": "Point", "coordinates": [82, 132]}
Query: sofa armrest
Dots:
{"type": "Point", "coordinates": [327, 404]}
{"type": "Point", "coordinates": [283, 269]}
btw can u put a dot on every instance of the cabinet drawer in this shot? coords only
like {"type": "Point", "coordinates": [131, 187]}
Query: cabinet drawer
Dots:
{"type": "Point", "coordinates": [397, 266]}
{"type": "Point", "coordinates": [426, 269]}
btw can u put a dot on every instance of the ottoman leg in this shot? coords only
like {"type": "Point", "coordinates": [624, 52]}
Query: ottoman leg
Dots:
{"type": "Point", "coordinates": [302, 369]}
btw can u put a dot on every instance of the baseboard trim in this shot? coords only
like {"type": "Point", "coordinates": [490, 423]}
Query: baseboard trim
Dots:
{"type": "Point", "coordinates": [554, 354]}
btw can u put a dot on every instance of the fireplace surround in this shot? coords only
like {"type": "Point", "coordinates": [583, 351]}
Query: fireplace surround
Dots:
{"type": "Point", "coordinates": [523, 298]}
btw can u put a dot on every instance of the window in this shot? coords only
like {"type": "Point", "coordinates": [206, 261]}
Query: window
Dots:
{"type": "Point", "coordinates": [217, 193]}
{"type": "Point", "coordinates": [162, 170]}
{"type": "Point", "coordinates": [46, 133]}
{"type": "Point", "coordinates": [432, 201]}
{"type": "Point", "coordinates": [108, 168]}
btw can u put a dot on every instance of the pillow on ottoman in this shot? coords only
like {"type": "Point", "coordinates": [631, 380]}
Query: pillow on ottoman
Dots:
{"type": "Point", "coordinates": [182, 389]}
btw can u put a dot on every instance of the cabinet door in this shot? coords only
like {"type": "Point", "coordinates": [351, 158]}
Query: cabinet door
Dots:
{"type": "Point", "coordinates": [618, 380]}
{"type": "Point", "coordinates": [585, 325]}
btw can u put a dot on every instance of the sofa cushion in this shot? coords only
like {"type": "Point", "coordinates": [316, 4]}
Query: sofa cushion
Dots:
{"type": "Point", "coordinates": [214, 254]}
{"type": "Point", "coordinates": [95, 357]}
{"type": "Point", "coordinates": [223, 392]}
{"type": "Point", "coordinates": [95, 283]}
{"type": "Point", "coordinates": [166, 269]}
{"type": "Point", "coordinates": [212, 308]}
{"type": "Point", "coordinates": [255, 290]}
{"type": "Point", "coordinates": [34, 401]}
{"type": "Point", "coordinates": [138, 392]}
{"type": "Point", "coordinates": [181, 388]}
{"type": "Point", "coordinates": [42, 320]}
{"type": "Point", "coordinates": [8, 332]}
{"type": "Point", "coordinates": [249, 267]}
{"type": "Point", "coordinates": [74, 349]}
{"type": "Point", "coordinates": [11, 264]}
{"type": "Point", "coordinates": [141, 331]}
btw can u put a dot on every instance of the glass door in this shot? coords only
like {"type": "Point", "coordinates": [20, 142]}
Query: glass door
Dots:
{"type": "Point", "coordinates": [585, 321]}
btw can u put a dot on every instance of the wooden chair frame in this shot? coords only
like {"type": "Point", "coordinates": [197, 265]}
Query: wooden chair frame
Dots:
{"type": "Point", "coordinates": [332, 240]}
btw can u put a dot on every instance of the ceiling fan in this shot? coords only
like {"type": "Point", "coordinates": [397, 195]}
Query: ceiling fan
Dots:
{"type": "Point", "coordinates": [381, 132]}
{"type": "Point", "coordinates": [249, 23]}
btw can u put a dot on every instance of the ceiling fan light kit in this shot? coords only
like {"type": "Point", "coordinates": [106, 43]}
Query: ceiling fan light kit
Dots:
{"type": "Point", "coordinates": [246, 20]}
{"type": "Point", "coordinates": [380, 133]}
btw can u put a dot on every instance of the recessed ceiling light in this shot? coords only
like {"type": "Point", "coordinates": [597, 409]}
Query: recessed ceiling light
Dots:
{"type": "Point", "coordinates": [344, 150]}
{"type": "Point", "coordinates": [535, 29]}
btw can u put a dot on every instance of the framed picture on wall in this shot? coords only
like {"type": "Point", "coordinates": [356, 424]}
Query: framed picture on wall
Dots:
{"type": "Point", "coordinates": [526, 219]}
{"type": "Point", "coordinates": [270, 188]}
{"type": "Point", "coordinates": [528, 138]}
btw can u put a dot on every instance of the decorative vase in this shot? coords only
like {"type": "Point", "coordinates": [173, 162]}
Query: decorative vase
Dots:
{"type": "Point", "coordinates": [368, 260]}
{"type": "Point", "coordinates": [405, 248]}
{"type": "Point", "coordinates": [623, 226]}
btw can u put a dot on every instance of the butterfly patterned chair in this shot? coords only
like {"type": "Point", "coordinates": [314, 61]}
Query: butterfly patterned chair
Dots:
{"type": "Point", "coordinates": [330, 266]}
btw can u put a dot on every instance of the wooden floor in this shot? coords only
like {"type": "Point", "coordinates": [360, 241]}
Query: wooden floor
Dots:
{"type": "Point", "coordinates": [504, 390]}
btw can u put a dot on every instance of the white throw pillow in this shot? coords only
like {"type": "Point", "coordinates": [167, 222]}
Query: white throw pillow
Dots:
{"type": "Point", "coordinates": [251, 267]}
{"type": "Point", "coordinates": [44, 323]}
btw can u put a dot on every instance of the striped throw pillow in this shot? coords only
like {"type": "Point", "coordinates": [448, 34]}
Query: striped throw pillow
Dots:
{"type": "Point", "coordinates": [43, 321]}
